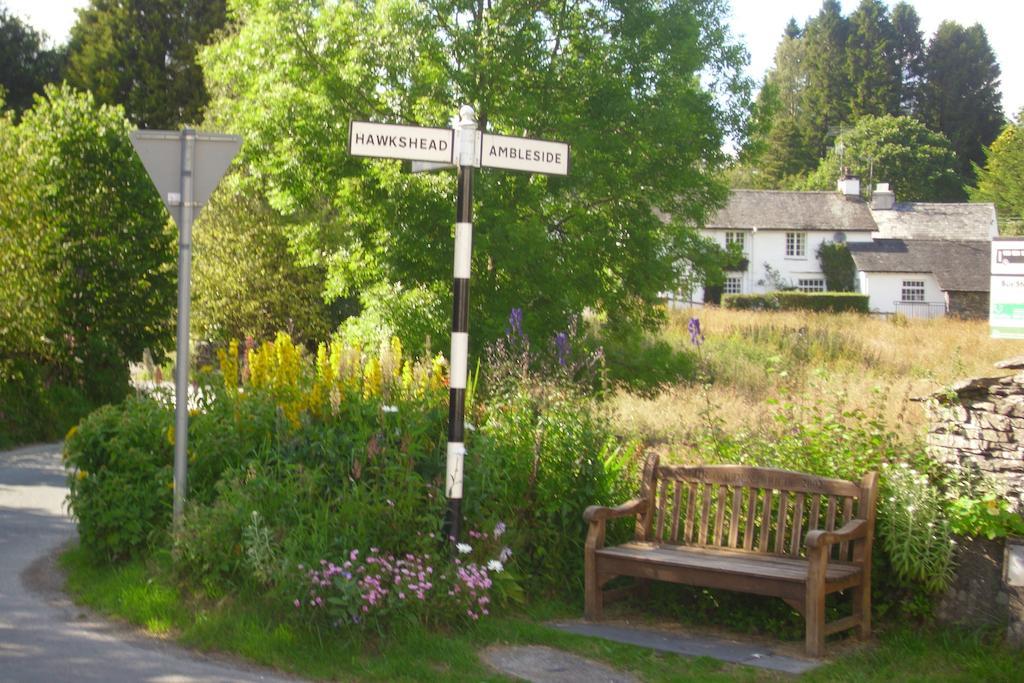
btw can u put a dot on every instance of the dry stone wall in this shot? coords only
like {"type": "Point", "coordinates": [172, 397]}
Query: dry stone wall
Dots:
{"type": "Point", "coordinates": [978, 425]}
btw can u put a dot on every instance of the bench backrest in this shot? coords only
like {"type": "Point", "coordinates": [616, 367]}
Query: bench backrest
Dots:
{"type": "Point", "coordinates": [754, 509]}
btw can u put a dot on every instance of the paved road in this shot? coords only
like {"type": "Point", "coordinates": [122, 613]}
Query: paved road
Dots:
{"type": "Point", "coordinates": [43, 636]}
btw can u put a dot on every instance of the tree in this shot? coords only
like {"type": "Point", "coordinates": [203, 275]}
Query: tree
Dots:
{"type": "Point", "coordinates": [25, 64]}
{"type": "Point", "coordinates": [141, 54]}
{"type": "Point", "coordinates": [623, 86]}
{"type": "Point", "coordinates": [872, 63]}
{"type": "Point", "coordinates": [918, 163]}
{"type": "Point", "coordinates": [108, 247]}
{"type": "Point", "coordinates": [1001, 181]}
{"type": "Point", "coordinates": [960, 94]}
{"type": "Point", "coordinates": [246, 281]}
{"type": "Point", "coordinates": [910, 55]}
{"type": "Point", "coordinates": [827, 91]}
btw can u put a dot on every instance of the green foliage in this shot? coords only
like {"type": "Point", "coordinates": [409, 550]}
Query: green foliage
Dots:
{"type": "Point", "coordinates": [871, 61]}
{"type": "Point", "coordinates": [27, 64]}
{"type": "Point", "coordinates": [538, 457]}
{"type": "Point", "coordinates": [110, 253]}
{"type": "Point", "coordinates": [960, 92]}
{"type": "Point", "coordinates": [837, 266]}
{"type": "Point", "coordinates": [294, 74]}
{"type": "Point", "coordinates": [142, 55]}
{"type": "Point", "coordinates": [989, 516]}
{"type": "Point", "coordinates": [35, 407]}
{"type": "Point", "coordinates": [919, 164]}
{"type": "Point", "coordinates": [913, 529]}
{"type": "Point", "coordinates": [1001, 181]}
{"type": "Point", "coordinates": [246, 281]}
{"type": "Point", "coordinates": [834, 441]}
{"type": "Point", "coordinates": [120, 475]}
{"type": "Point", "coordinates": [831, 302]}
{"type": "Point", "coordinates": [644, 366]}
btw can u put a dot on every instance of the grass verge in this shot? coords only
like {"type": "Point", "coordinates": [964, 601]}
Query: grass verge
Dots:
{"type": "Point", "coordinates": [141, 593]}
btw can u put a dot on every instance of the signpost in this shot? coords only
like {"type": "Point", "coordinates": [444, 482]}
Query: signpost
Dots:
{"type": "Point", "coordinates": [185, 166]}
{"type": "Point", "coordinates": [469, 148]}
{"type": "Point", "coordinates": [1006, 291]}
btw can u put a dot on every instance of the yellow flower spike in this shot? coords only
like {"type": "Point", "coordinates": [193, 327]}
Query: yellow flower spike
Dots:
{"type": "Point", "coordinates": [170, 435]}
{"type": "Point", "coordinates": [396, 358]}
{"type": "Point", "coordinates": [81, 474]}
{"type": "Point", "coordinates": [371, 378]}
{"type": "Point", "coordinates": [407, 379]}
{"type": "Point", "coordinates": [71, 432]}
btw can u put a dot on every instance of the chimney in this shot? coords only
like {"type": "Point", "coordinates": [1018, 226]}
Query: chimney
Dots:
{"type": "Point", "coordinates": [848, 185]}
{"type": "Point", "coordinates": [883, 199]}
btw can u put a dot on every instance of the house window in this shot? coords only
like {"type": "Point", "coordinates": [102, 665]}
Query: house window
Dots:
{"type": "Point", "coordinates": [733, 285]}
{"type": "Point", "coordinates": [913, 290]}
{"type": "Point", "coordinates": [811, 285]}
{"type": "Point", "coordinates": [732, 238]}
{"type": "Point", "coordinates": [796, 243]}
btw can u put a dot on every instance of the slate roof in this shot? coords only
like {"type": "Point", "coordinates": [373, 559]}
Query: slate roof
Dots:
{"type": "Point", "coordinates": [780, 210]}
{"type": "Point", "coordinates": [958, 265]}
{"type": "Point", "coordinates": [936, 221]}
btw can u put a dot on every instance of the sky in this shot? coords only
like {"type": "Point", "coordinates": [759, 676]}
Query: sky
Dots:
{"type": "Point", "coordinates": [759, 23]}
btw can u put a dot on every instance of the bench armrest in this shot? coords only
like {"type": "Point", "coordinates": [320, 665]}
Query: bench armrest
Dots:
{"type": "Point", "coordinates": [599, 513]}
{"type": "Point", "coordinates": [852, 530]}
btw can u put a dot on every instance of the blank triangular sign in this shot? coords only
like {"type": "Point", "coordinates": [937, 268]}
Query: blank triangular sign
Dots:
{"type": "Point", "coordinates": [161, 152]}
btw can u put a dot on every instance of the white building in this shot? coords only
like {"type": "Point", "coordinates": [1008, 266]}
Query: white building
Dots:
{"type": "Point", "coordinates": [780, 233]}
{"type": "Point", "coordinates": [920, 259]}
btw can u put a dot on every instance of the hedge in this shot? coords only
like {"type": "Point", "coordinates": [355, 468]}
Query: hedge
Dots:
{"type": "Point", "coordinates": [831, 302]}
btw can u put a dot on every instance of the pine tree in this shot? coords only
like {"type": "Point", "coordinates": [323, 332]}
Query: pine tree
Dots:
{"type": "Point", "coordinates": [909, 54]}
{"type": "Point", "coordinates": [141, 54]}
{"type": "Point", "coordinates": [871, 62]}
{"type": "Point", "coordinates": [827, 94]}
{"type": "Point", "coordinates": [960, 95]}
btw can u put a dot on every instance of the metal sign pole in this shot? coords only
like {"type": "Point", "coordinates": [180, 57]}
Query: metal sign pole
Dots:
{"type": "Point", "coordinates": [460, 324]}
{"type": "Point", "coordinates": [188, 140]}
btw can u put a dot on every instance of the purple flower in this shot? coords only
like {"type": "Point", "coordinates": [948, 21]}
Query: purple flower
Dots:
{"type": "Point", "coordinates": [515, 323]}
{"type": "Point", "coordinates": [499, 529]}
{"type": "Point", "coordinates": [696, 335]}
{"type": "Point", "coordinates": [562, 347]}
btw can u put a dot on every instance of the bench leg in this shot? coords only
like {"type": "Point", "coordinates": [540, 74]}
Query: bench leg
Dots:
{"type": "Point", "coordinates": [814, 603]}
{"type": "Point", "coordinates": [862, 606]}
{"type": "Point", "coordinates": [592, 596]}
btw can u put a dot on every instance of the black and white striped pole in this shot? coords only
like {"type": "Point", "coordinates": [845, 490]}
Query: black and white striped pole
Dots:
{"type": "Point", "coordinates": [466, 140]}
{"type": "Point", "coordinates": [433, 149]}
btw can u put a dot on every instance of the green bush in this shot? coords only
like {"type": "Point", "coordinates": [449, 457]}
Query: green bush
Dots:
{"type": "Point", "coordinates": [643, 366]}
{"type": "Point", "coordinates": [822, 302]}
{"type": "Point", "coordinates": [539, 457]}
{"type": "Point", "coordinates": [121, 478]}
{"type": "Point", "coordinates": [831, 440]}
{"type": "Point", "coordinates": [36, 407]}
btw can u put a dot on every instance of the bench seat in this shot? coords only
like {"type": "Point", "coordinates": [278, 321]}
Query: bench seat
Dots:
{"type": "Point", "coordinates": [795, 536]}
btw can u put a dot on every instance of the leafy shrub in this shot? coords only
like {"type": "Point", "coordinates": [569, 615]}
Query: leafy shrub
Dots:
{"type": "Point", "coordinates": [989, 516]}
{"type": "Point", "coordinates": [837, 266]}
{"type": "Point", "coordinates": [822, 302]}
{"type": "Point", "coordinates": [538, 458]}
{"type": "Point", "coordinates": [121, 479]}
{"type": "Point", "coordinates": [35, 406]}
{"type": "Point", "coordinates": [833, 441]}
{"type": "Point", "coordinates": [642, 365]}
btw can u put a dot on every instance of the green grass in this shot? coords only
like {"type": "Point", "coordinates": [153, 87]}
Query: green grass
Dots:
{"type": "Point", "coordinates": [141, 593]}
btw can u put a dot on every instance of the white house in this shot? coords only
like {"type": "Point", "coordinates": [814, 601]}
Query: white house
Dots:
{"type": "Point", "coordinates": [780, 232]}
{"type": "Point", "coordinates": [921, 259]}
{"type": "Point", "coordinates": [928, 258]}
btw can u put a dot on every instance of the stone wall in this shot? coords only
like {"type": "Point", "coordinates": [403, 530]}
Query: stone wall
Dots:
{"type": "Point", "coordinates": [979, 426]}
{"type": "Point", "coordinates": [969, 305]}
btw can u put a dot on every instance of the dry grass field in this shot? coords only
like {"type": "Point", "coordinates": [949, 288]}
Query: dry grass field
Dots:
{"type": "Point", "coordinates": [851, 361]}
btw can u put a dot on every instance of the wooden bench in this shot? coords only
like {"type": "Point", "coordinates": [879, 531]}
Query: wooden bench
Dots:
{"type": "Point", "coordinates": [748, 529]}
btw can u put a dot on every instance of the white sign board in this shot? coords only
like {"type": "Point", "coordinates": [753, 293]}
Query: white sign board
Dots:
{"type": "Point", "coordinates": [390, 141]}
{"type": "Point", "coordinates": [524, 154]}
{"type": "Point", "coordinates": [1006, 291]}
